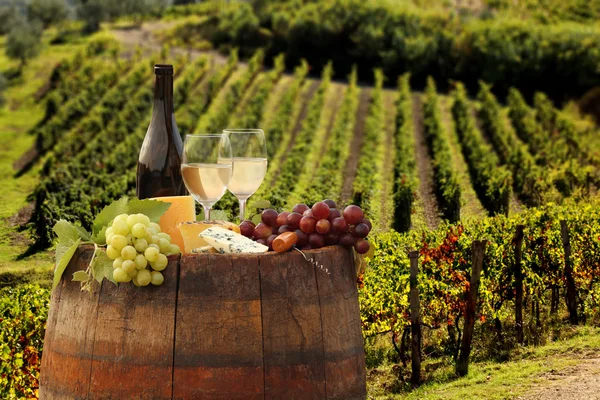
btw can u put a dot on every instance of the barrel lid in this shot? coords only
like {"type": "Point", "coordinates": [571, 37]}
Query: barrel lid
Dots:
{"type": "Point", "coordinates": [163, 69]}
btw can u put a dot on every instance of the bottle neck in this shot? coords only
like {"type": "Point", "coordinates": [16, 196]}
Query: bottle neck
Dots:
{"type": "Point", "coordinates": [163, 94]}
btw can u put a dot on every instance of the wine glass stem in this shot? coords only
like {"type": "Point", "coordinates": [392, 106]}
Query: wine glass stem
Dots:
{"type": "Point", "coordinates": [206, 213]}
{"type": "Point", "coordinates": [242, 209]}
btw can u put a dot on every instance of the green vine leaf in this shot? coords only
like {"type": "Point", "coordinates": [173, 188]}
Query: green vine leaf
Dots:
{"type": "Point", "coordinates": [154, 209]}
{"type": "Point", "coordinates": [66, 231]}
{"type": "Point", "coordinates": [83, 234]}
{"type": "Point", "coordinates": [102, 267]}
{"type": "Point", "coordinates": [80, 276]}
{"type": "Point", "coordinates": [64, 253]}
{"type": "Point", "coordinates": [109, 213]}
{"type": "Point", "coordinates": [69, 238]}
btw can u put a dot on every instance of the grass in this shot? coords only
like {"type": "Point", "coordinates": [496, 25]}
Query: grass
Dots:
{"type": "Point", "coordinates": [21, 113]}
{"type": "Point", "coordinates": [489, 379]}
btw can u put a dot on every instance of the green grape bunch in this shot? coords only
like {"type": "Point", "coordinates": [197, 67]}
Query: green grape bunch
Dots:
{"type": "Point", "coordinates": [138, 249]}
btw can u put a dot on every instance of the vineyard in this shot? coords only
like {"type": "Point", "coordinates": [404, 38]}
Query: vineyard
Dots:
{"type": "Point", "coordinates": [434, 171]}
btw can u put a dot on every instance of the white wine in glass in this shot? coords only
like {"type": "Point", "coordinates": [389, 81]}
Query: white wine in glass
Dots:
{"type": "Point", "coordinates": [249, 163]}
{"type": "Point", "coordinates": [206, 168]}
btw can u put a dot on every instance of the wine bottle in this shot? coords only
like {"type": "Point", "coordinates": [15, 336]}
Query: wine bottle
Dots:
{"type": "Point", "coordinates": [159, 163]}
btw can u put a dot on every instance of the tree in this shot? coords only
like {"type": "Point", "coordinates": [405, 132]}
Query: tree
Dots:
{"type": "Point", "coordinates": [92, 12]}
{"type": "Point", "coordinates": [24, 41]}
{"type": "Point", "coordinates": [48, 12]}
{"type": "Point", "coordinates": [7, 17]}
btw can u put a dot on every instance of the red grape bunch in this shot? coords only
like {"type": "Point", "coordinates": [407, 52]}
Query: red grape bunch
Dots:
{"type": "Point", "coordinates": [321, 225]}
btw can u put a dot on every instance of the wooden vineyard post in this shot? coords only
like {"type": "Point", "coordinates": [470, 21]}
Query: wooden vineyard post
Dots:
{"type": "Point", "coordinates": [571, 291]}
{"type": "Point", "coordinates": [462, 367]}
{"type": "Point", "coordinates": [415, 319]}
{"type": "Point", "coordinates": [519, 283]}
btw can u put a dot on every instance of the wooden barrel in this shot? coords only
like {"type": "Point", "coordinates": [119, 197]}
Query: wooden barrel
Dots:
{"type": "Point", "coordinates": [270, 326]}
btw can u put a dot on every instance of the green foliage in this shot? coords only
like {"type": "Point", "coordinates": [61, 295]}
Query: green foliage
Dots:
{"type": "Point", "coordinates": [216, 117]}
{"type": "Point", "coordinates": [278, 191]}
{"type": "Point", "coordinates": [23, 314]}
{"type": "Point", "coordinates": [23, 41]}
{"type": "Point", "coordinates": [326, 182]}
{"type": "Point", "coordinates": [77, 107]}
{"type": "Point", "coordinates": [190, 117]}
{"type": "Point", "coordinates": [72, 190]}
{"type": "Point", "coordinates": [281, 123]}
{"type": "Point", "coordinates": [559, 59]}
{"type": "Point", "coordinates": [406, 180]}
{"type": "Point", "coordinates": [3, 85]}
{"type": "Point", "coordinates": [492, 182]}
{"type": "Point", "coordinates": [8, 16]}
{"type": "Point", "coordinates": [444, 268]}
{"type": "Point", "coordinates": [253, 112]}
{"type": "Point", "coordinates": [368, 184]}
{"type": "Point", "coordinates": [447, 186]}
{"type": "Point", "coordinates": [530, 183]}
{"type": "Point", "coordinates": [48, 12]}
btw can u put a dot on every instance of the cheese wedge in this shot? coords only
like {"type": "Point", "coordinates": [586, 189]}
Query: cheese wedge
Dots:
{"type": "Point", "coordinates": [191, 230]}
{"type": "Point", "coordinates": [228, 242]}
{"type": "Point", "coordinates": [204, 250]}
{"type": "Point", "coordinates": [182, 209]}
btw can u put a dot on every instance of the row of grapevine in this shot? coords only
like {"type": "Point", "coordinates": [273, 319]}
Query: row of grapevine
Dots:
{"type": "Point", "coordinates": [406, 180]}
{"type": "Point", "coordinates": [552, 151]}
{"type": "Point", "coordinates": [319, 142]}
{"type": "Point", "coordinates": [287, 173]}
{"type": "Point", "coordinates": [189, 117]}
{"type": "Point", "coordinates": [71, 112]}
{"type": "Point", "coordinates": [72, 75]}
{"type": "Point", "coordinates": [216, 117]}
{"type": "Point", "coordinates": [491, 181]}
{"type": "Point", "coordinates": [368, 184]}
{"type": "Point", "coordinates": [570, 140]}
{"type": "Point", "coordinates": [447, 186]}
{"type": "Point", "coordinates": [326, 181]}
{"type": "Point", "coordinates": [279, 128]}
{"type": "Point", "coordinates": [99, 118]}
{"type": "Point", "coordinates": [528, 178]}
{"type": "Point", "coordinates": [252, 113]}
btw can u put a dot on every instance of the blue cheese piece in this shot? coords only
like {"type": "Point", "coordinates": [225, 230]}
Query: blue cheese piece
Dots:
{"type": "Point", "coordinates": [229, 242]}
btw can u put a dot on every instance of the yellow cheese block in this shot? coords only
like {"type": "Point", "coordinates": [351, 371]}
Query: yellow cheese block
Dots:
{"type": "Point", "coordinates": [204, 250]}
{"type": "Point", "coordinates": [182, 209]}
{"type": "Point", "coordinates": [191, 230]}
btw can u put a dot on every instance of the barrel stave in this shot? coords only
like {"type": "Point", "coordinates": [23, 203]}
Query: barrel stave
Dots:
{"type": "Point", "coordinates": [134, 339]}
{"type": "Point", "coordinates": [218, 351]}
{"type": "Point", "coordinates": [293, 344]}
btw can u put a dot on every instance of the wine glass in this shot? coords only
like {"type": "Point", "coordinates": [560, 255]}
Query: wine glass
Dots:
{"type": "Point", "coordinates": [249, 163]}
{"type": "Point", "coordinates": [206, 168]}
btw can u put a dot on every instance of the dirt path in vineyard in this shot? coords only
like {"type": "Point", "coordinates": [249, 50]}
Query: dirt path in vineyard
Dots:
{"type": "Point", "coordinates": [356, 145]}
{"type": "Point", "coordinates": [579, 382]}
{"type": "Point", "coordinates": [424, 165]}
